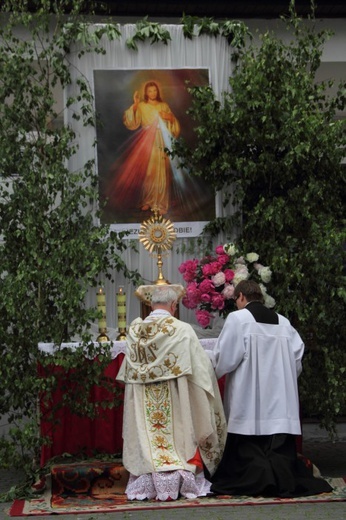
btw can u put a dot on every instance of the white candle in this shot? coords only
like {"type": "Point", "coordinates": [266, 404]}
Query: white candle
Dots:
{"type": "Point", "coordinates": [121, 308]}
{"type": "Point", "coordinates": [101, 307]}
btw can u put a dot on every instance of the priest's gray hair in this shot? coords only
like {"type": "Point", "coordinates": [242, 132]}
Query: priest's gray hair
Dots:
{"type": "Point", "coordinates": [163, 294]}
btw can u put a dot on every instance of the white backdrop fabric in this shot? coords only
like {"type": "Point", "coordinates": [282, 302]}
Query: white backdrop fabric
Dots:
{"type": "Point", "coordinates": [200, 52]}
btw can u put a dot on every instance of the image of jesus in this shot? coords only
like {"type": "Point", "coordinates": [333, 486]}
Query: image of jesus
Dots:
{"type": "Point", "coordinates": [158, 125]}
{"type": "Point", "coordinates": [141, 113]}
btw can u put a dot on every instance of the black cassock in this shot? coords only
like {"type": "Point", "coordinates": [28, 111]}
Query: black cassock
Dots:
{"type": "Point", "coordinates": [265, 465]}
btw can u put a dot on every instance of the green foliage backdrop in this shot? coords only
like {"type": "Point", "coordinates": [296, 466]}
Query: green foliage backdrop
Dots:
{"type": "Point", "coordinates": [52, 250]}
{"type": "Point", "coordinates": [274, 145]}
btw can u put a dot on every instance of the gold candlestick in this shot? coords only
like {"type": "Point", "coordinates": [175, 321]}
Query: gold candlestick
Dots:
{"type": "Point", "coordinates": [121, 308]}
{"type": "Point", "coordinates": [102, 324]}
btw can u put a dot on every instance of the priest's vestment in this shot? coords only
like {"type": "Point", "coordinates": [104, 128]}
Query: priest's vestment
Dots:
{"type": "Point", "coordinates": [173, 413]}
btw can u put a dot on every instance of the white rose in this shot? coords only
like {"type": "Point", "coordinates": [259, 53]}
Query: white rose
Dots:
{"type": "Point", "coordinates": [241, 269]}
{"type": "Point", "coordinates": [269, 301]}
{"type": "Point", "coordinates": [252, 257]}
{"type": "Point", "coordinates": [230, 249]}
{"type": "Point", "coordinates": [265, 274]}
{"type": "Point", "coordinates": [238, 278]}
{"type": "Point", "coordinates": [218, 279]}
{"type": "Point", "coordinates": [240, 260]}
{"type": "Point", "coordinates": [241, 273]}
{"type": "Point", "coordinates": [263, 289]}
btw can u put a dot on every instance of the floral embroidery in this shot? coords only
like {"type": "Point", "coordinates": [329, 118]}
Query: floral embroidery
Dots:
{"type": "Point", "coordinates": [211, 450]}
{"type": "Point", "coordinates": [158, 419]}
{"type": "Point", "coordinates": [176, 371]}
{"type": "Point", "coordinates": [158, 405]}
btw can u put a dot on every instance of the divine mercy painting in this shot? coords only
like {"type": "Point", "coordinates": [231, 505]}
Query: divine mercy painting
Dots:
{"type": "Point", "coordinates": [139, 113]}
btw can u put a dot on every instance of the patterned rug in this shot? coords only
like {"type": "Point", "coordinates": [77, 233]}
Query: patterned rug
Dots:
{"type": "Point", "coordinates": [48, 504]}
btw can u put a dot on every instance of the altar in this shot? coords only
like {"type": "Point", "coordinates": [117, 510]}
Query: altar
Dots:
{"type": "Point", "coordinates": [73, 434]}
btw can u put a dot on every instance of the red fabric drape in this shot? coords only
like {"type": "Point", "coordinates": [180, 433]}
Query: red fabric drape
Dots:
{"type": "Point", "coordinates": [70, 433]}
{"type": "Point", "coordinates": [73, 434]}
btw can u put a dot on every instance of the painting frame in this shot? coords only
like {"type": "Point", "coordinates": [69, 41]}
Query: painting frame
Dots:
{"type": "Point", "coordinates": [193, 203]}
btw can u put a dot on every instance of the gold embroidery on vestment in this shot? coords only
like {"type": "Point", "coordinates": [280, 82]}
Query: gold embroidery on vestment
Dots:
{"type": "Point", "coordinates": [211, 450]}
{"type": "Point", "coordinates": [143, 353]}
{"type": "Point", "coordinates": [158, 408]}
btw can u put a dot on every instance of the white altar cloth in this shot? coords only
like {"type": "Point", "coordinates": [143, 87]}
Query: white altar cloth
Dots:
{"type": "Point", "coordinates": [117, 347]}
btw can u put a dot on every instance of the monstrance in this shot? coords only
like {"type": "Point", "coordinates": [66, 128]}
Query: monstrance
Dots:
{"type": "Point", "coordinates": [157, 235]}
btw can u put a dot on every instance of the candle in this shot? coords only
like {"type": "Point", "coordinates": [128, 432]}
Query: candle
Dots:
{"type": "Point", "coordinates": [121, 307]}
{"type": "Point", "coordinates": [101, 307]}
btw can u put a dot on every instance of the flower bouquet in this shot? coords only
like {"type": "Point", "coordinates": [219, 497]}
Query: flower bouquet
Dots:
{"type": "Point", "coordinates": [211, 281]}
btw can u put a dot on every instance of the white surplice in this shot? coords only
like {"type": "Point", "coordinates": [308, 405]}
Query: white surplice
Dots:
{"type": "Point", "coordinates": [242, 347]}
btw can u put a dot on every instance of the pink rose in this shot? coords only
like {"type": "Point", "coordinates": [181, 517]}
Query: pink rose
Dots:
{"type": "Point", "coordinates": [189, 270]}
{"type": "Point", "coordinates": [192, 288]}
{"type": "Point", "coordinates": [217, 302]}
{"type": "Point", "coordinates": [189, 304]}
{"type": "Point", "coordinates": [204, 318]}
{"type": "Point", "coordinates": [206, 286]}
{"type": "Point", "coordinates": [193, 296]}
{"type": "Point", "coordinates": [211, 269]}
{"type": "Point", "coordinates": [182, 267]}
{"type": "Point", "coordinates": [223, 259]}
{"type": "Point", "coordinates": [229, 275]}
{"type": "Point", "coordinates": [207, 270]}
{"type": "Point", "coordinates": [205, 298]}
{"type": "Point", "coordinates": [219, 250]}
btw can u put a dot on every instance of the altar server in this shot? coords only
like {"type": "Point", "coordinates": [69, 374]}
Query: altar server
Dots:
{"type": "Point", "coordinates": [261, 355]}
{"type": "Point", "coordinates": [174, 427]}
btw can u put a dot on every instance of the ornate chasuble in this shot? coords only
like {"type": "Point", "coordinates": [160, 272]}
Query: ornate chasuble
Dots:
{"type": "Point", "coordinates": [163, 349]}
{"type": "Point", "coordinates": [172, 403]}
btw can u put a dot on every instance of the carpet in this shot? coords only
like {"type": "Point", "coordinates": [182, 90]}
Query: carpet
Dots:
{"type": "Point", "coordinates": [82, 503]}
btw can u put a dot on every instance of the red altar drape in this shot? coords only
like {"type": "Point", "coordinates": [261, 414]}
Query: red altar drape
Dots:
{"type": "Point", "coordinates": [70, 433]}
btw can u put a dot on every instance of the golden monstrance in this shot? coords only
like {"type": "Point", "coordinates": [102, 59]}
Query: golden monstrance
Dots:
{"type": "Point", "coordinates": [157, 236]}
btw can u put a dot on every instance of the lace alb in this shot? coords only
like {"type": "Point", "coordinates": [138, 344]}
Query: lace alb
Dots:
{"type": "Point", "coordinates": [167, 485]}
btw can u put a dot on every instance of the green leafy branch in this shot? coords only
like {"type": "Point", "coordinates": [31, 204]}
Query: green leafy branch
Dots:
{"type": "Point", "coordinates": [148, 30]}
{"type": "Point", "coordinates": [234, 31]}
